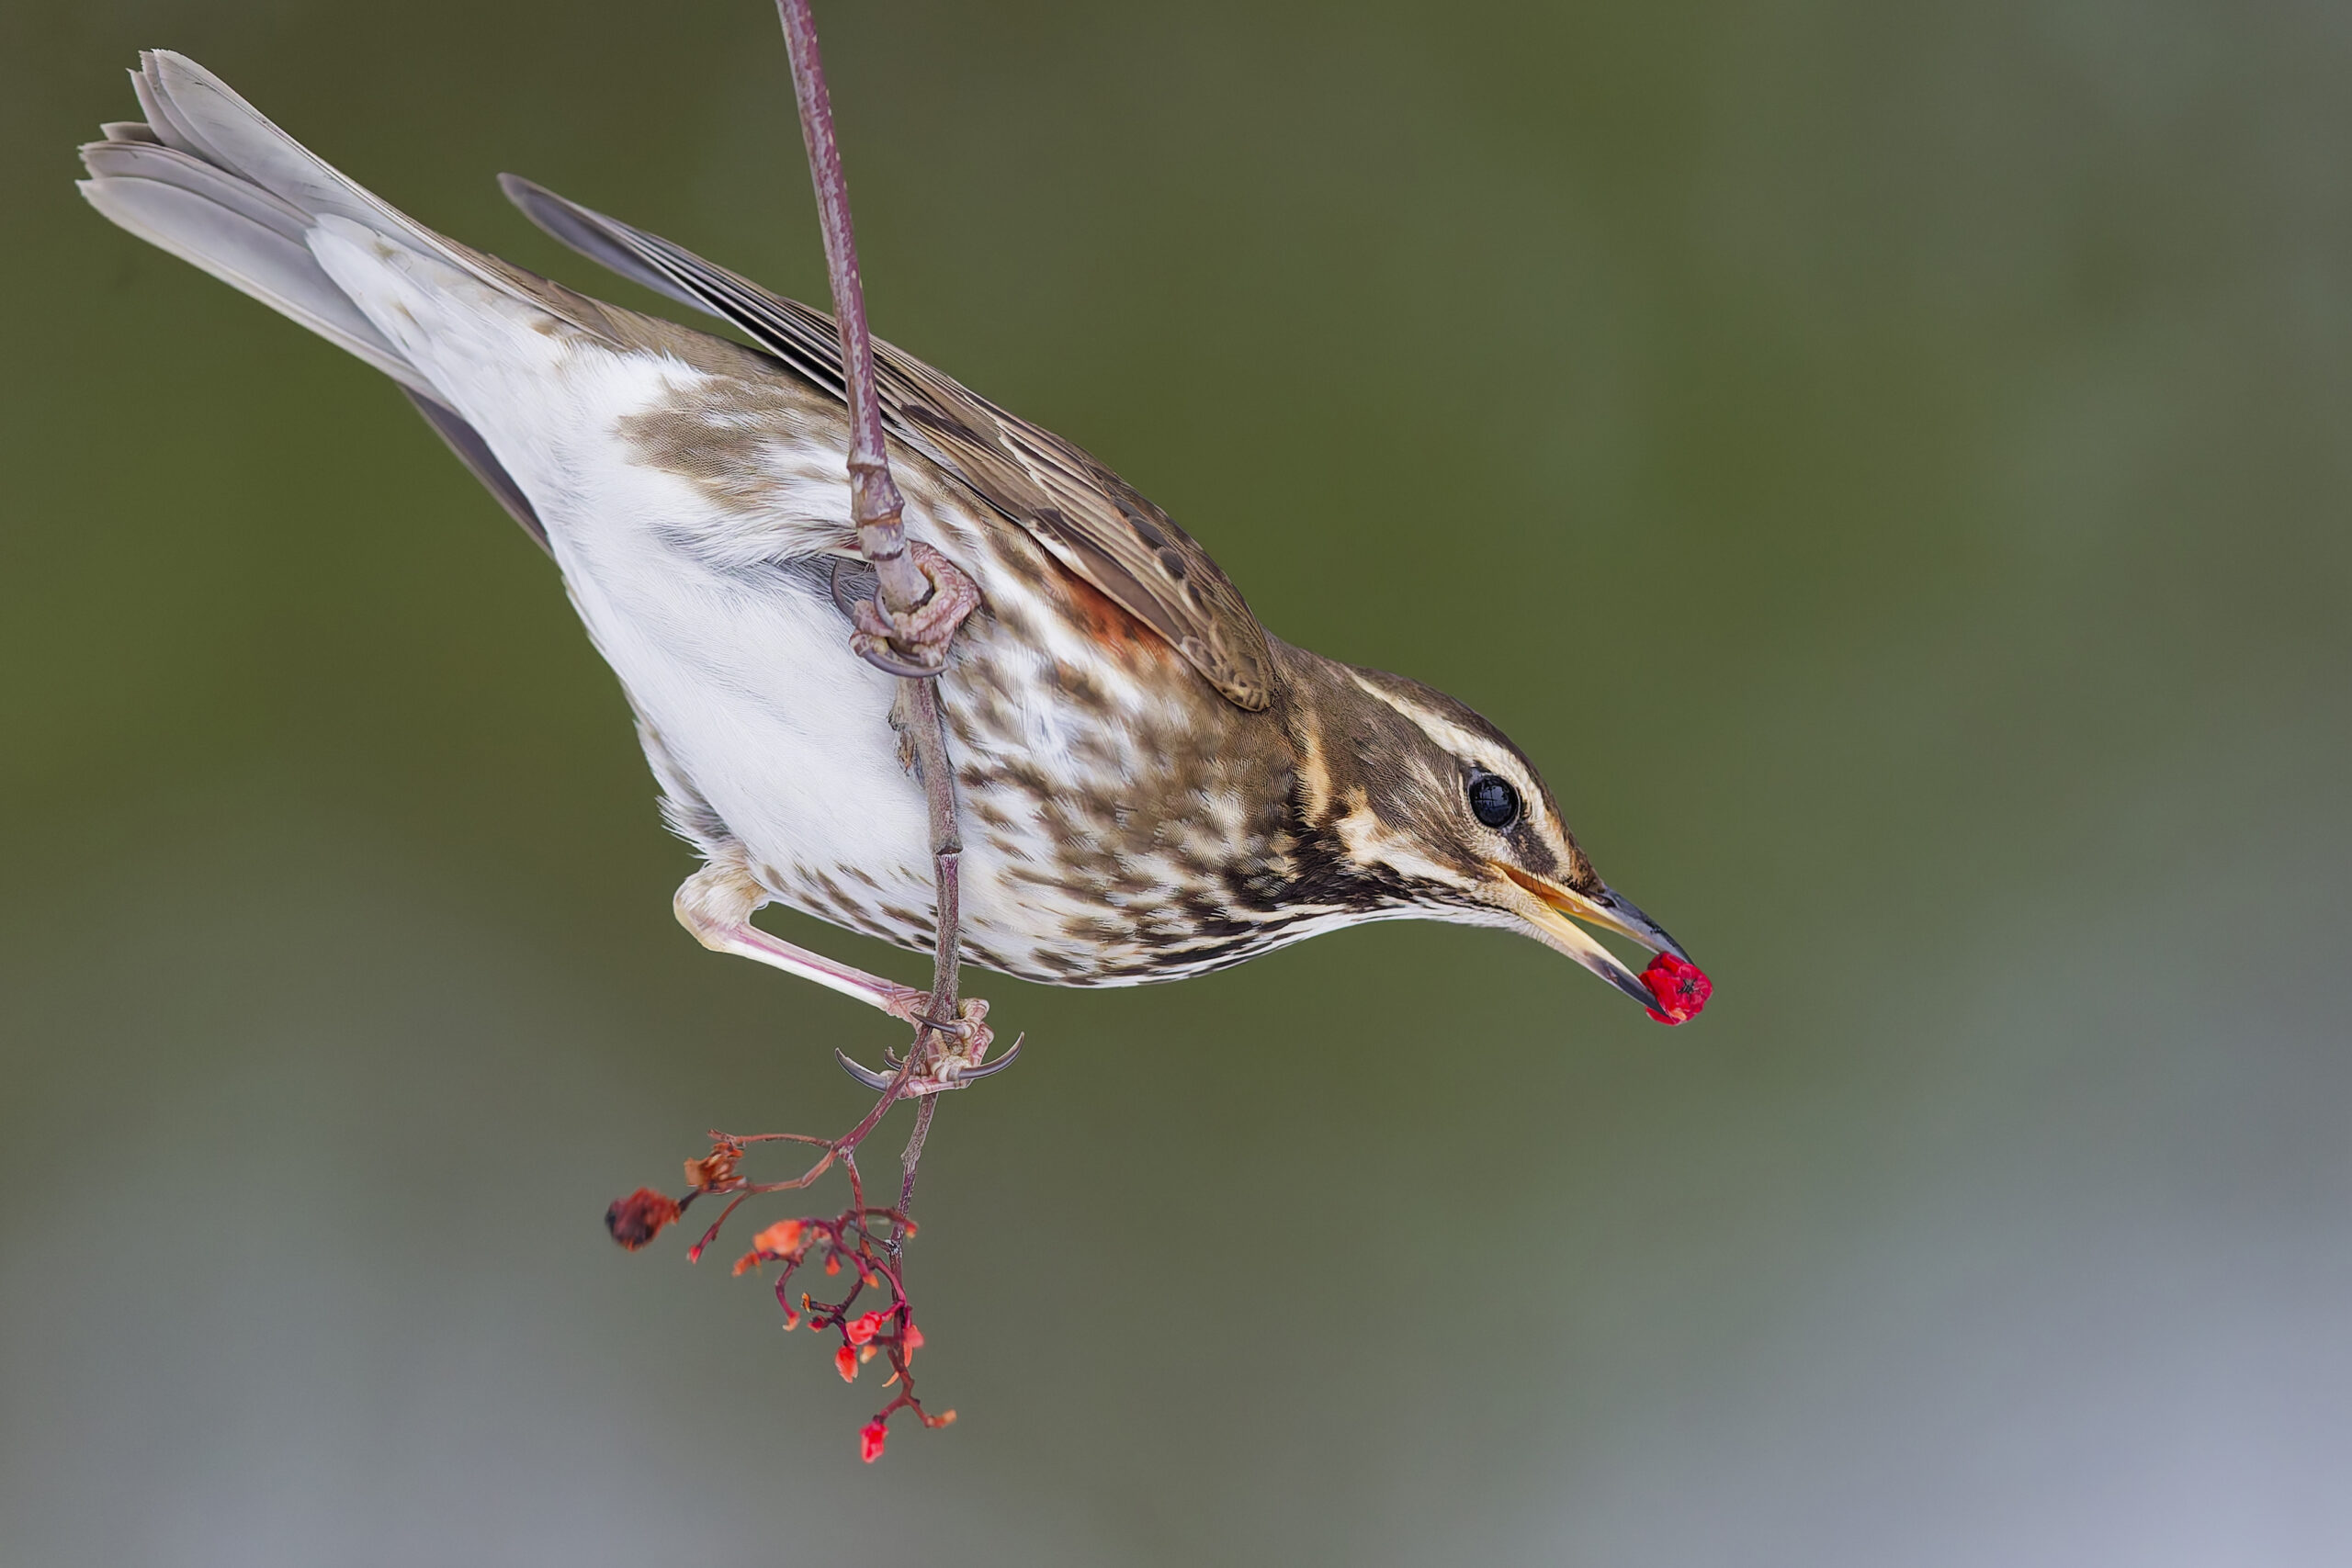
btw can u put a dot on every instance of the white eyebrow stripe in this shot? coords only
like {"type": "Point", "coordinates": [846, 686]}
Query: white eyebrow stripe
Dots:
{"type": "Point", "coordinates": [1464, 743]}
{"type": "Point", "coordinates": [1458, 738]}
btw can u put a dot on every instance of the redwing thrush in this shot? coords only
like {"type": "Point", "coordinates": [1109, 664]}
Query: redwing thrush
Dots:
{"type": "Point", "coordinates": [1151, 785]}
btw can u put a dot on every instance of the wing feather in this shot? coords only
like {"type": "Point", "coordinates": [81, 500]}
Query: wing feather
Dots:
{"type": "Point", "coordinates": [1092, 521]}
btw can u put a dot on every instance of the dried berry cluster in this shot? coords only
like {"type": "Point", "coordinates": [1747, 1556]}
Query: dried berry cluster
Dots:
{"type": "Point", "coordinates": [862, 1243]}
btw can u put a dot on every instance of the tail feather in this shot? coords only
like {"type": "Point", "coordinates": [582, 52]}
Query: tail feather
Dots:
{"type": "Point", "coordinates": [210, 178]}
{"type": "Point", "coordinates": [131, 160]}
{"type": "Point", "coordinates": [238, 232]}
{"type": "Point", "coordinates": [155, 103]}
{"type": "Point", "coordinates": [204, 116]}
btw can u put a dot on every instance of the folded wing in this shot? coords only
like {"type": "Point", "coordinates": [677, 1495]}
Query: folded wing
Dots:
{"type": "Point", "coordinates": [1085, 515]}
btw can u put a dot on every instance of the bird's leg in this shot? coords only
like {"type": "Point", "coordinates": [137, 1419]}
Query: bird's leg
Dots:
{"type": "Point", "coordinates": [913, 643]}
{"type": "Point", "coordinates": [715, 905]}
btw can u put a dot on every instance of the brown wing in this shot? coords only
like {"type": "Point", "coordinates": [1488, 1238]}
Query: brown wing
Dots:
{"type": "Point", "coordinates": [1089, 519]}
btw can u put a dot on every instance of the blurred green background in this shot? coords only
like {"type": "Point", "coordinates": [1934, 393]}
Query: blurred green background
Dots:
{"type": "Point", "coordinates": [1887, 462]}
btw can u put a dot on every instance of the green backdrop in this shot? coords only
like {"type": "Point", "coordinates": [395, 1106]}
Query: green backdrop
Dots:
{"type": "Point", "coordinates": [1887, 462]}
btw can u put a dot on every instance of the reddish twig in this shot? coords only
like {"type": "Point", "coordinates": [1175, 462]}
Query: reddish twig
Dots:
{"type": "Point", "coordinates": [875, 506]}
{"type": "Point", "coordinates": [876, 1257]}
{"type": "Point", "coordinates": [875, 502]}
{"type": "Point", "coordinates": [863, 1237]}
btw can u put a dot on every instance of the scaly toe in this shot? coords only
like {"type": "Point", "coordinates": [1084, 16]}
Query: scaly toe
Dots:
{"type": "Point", "coordinates": [907, 1005]}
{"type": "Point", "coordinates": [914, 643]}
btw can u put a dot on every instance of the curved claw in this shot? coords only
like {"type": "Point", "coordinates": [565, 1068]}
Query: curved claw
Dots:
{"type": "Point", "coordinates": [989, 1069]}
{"type": "Point", "coordinates": [956, 1076]}
{"type": "Point", "coordinates": [885, 658]}
{"type": "Point", "coordinates": [864, 1075]}
{"type": "Point", "coordinates": [843, 600]}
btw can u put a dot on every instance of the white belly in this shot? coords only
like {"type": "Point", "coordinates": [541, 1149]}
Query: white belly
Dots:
{"type": "Point", "coordinates": [695, 518]}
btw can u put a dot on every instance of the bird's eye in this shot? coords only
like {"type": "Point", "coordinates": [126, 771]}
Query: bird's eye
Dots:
{"type": "Point", "coordinates": [1492, 800]}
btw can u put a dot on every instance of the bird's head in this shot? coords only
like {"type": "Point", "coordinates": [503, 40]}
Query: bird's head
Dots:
{"type": "Point", "coordinates": [1436, 813]}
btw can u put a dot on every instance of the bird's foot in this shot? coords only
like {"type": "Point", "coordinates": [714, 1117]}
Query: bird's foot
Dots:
{"type": "Point", "coordinates": [967, 1032]}
{"type": "Point", "coordinates": [960, 1057]}
{"type": "Point", "coordinates": [914, 642]}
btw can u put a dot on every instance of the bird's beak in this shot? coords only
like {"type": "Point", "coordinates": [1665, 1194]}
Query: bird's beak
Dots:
{"type": "Point", "coordinates": [1552, 911]}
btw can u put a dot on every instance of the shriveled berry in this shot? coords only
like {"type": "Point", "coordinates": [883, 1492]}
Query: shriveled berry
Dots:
{"type": "Point", "coordinates": [715, 1168]}
{"type": "Point", "coordinates": [639, 1217]}
{"type": "Point", "coordinates": [780, 1239]}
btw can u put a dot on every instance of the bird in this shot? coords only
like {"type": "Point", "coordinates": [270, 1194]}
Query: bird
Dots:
{"type": "Point", "coordinates": [1151, 786]}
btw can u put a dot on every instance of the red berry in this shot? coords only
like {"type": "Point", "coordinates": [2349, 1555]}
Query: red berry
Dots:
{"type": "Point", "coordinates": [863, 1328]}
{"type": "Point", "coordinates": [1681, 988]}
{"type": "Point", "coordinates": [870, 1438]}
{"type": "Point", "coordinates": [846, 1363]}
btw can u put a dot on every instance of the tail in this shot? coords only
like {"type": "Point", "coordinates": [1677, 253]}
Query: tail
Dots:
{"type": "Point", "coordinates": [207, 177]}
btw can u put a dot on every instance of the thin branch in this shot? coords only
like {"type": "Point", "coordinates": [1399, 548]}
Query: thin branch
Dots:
{"type": "Point", "coordinates": [920, 599]}
{"type": "Point", "coordinates": [875, 502]}
{"type": "Point", "coordinates": [875, 507]}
